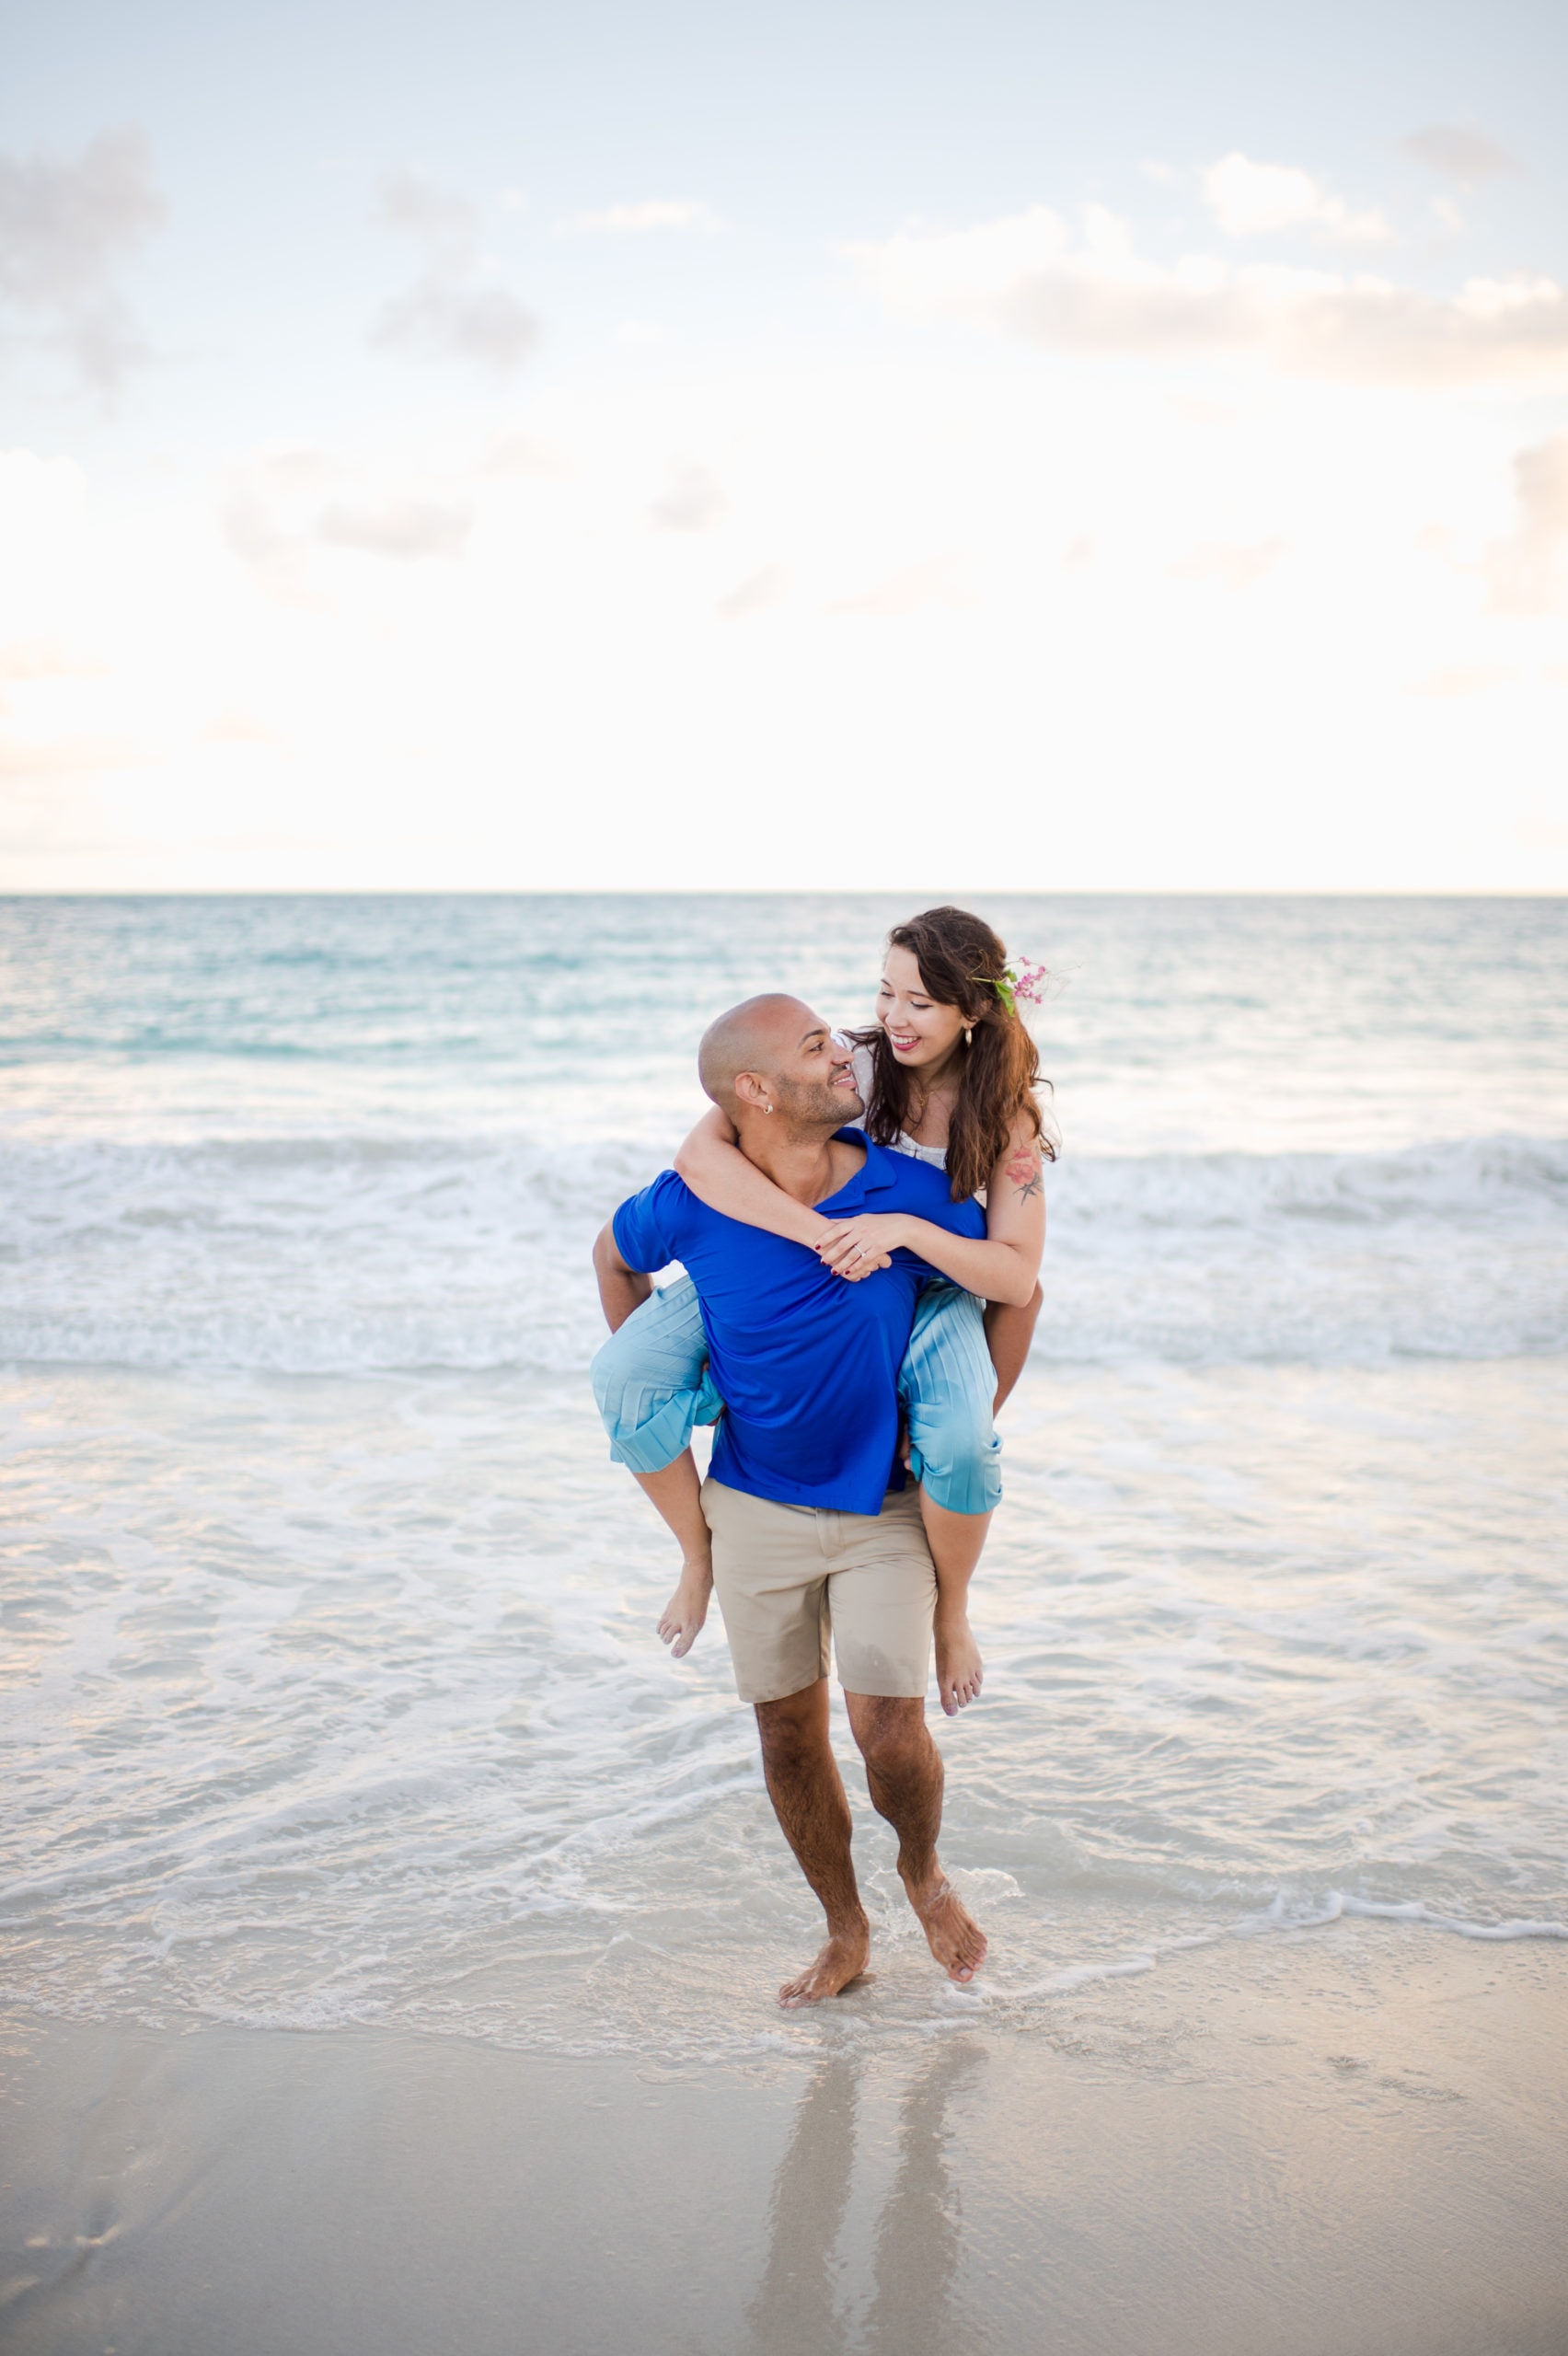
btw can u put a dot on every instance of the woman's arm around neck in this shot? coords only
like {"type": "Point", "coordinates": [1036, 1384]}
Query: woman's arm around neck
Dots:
{"type": "Point", "coordinates": [719, 1176]}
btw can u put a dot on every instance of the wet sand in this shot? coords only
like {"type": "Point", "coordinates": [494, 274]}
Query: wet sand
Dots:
{"type": "Point", "coordinates": [1351, 2139]}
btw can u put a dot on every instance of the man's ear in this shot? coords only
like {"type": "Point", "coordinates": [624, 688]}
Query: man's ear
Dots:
{"type": "Point", "coordinates": [751, 1091]}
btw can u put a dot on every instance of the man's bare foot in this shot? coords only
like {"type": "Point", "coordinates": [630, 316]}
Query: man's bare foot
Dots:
{"type": "Point", "coordinates": [687, 1609]}
{"type": "Point", "coordinates": [842, 1960]}
{"type": "Point", "coordinates": [952, 1935]}
{"type": "Point", "coordinates": [959, 1671]}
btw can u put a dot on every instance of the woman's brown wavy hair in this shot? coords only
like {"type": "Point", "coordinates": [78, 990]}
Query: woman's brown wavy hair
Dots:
{"type": "Point", "coordinates": [961, 961]}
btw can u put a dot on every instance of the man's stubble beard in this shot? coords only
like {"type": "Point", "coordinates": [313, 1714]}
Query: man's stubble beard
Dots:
{"type": "Point", "coordinates": [819, 1108]}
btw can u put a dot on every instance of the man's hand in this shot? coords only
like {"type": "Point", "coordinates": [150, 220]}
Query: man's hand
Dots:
{"type": "Point", "coordinates": [854, 1248]}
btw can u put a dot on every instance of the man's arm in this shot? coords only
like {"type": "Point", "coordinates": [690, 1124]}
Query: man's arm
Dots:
{"type": "Point", "coordinates": [621, 1289]}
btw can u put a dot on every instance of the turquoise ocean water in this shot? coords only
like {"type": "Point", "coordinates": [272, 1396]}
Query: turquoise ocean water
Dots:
{"type": "Point", "coordinates": [332, 1689]}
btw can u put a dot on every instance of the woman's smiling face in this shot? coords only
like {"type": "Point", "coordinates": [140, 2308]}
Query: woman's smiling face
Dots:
{"type": "Point", "coordinates": [919, 1031]}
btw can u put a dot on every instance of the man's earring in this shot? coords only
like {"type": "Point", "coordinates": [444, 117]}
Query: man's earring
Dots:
{"type": "Point", "coordinates": [768, 1108]}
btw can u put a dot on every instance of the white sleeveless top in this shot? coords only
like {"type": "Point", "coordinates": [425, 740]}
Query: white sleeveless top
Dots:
{"type": "Point", "coordinates": [864, 1067]}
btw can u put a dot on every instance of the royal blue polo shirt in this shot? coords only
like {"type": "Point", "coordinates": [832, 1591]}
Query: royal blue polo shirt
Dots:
{"type": "Point", "coordinates": [807, 1365]}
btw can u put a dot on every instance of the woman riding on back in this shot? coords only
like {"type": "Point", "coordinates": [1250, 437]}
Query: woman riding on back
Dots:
{"type": "Point", "coordinates": [946, 1073]}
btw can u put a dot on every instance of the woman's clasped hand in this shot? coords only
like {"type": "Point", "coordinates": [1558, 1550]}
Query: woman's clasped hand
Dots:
{"type": "Point", "coordinates": [857, 1247]}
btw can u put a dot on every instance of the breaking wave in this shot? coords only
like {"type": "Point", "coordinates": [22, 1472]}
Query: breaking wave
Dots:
{"type": "Point", "coordinates": [362, 1254]}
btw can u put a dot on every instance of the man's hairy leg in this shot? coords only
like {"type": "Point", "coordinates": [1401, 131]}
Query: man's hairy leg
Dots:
{"type": "Point", "coordinates": [904, 1773]}
{"type": "Point", "coordinates": [807, 1792]}
{"type": "Point", "coordinates": [676, 1494]}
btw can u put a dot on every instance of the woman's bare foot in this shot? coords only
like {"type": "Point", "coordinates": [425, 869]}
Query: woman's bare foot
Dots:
{"type": "Point", "coordinates": [842, 1960]}
{"type": "Point", "coordinates": [687, 1609]}
{"type": "Point", "coordinates": [959, 1670]}
{"type": "Point", "coordinates": [952, 1935]}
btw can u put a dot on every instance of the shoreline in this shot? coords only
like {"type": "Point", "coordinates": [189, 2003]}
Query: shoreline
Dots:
{"type": "Point", "coordinates": [1346, 2137]}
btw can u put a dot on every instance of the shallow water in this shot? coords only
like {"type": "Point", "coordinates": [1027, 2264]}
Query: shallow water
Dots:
{"type": "Point", "coordinates": [332, 1689]}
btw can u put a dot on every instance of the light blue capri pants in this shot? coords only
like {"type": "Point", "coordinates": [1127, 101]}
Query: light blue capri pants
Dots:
{"type": "Point", "coordinates": [653, 1387]}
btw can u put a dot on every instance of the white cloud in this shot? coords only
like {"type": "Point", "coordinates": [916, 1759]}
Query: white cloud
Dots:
{"type": "Point", "coordinates": [1464, 679]}
{"type": "Point", "coordinates": [267, 516]}
{"type": "Point", "coordinates": [49, 813]}
{"type": "Point", "coordinates": [1525, 570]}
{"type": "Point", "coordinates": [44, 658]}
{"type": "Point", "coordinates": [638, 219]}
{"type": "Point", "coordinates": [1541, 830]}
{"type": "Point", "coordinates": [936, 582]}
{"type": "Point", "coordinates": [63, 757]}
{"type": "Point", "coordinates": [754, 594]}
{"type": "Point", "coordinates": [411, 202]}
{"type": "Point", "coordinates": [485, 324]}
{"type": "Point", "coordinates": [237, 727]}
{"type": "Point", "coordinates": [43, 507]}
{"type": "Point", "coordinates": [1252, 199]}
{"type": "Point", "coordinates": [397, 527]}
{"type": "Point", "coordinates": [523, 453]}
{"type": "Point", "coordinates": [65, 228]}
{"type": "Point", "coordinates": [1031, 275]}
{"type": "Point", "coordinates": [692, 501]}
{"type": "Point", "coordinates": [1465, 156]}
{"type": "Point", "coordinates": [821, 629]}
{"type": "Point", "coordinates": [282, 506]}
{"type": "Point", "coordinates": [456, 306]}
{"type": "Point", "coordinates": [1228, 567]}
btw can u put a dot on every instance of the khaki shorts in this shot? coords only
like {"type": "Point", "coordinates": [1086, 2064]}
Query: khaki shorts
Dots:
{"type": "Point", "coordinates": [788, 1575]}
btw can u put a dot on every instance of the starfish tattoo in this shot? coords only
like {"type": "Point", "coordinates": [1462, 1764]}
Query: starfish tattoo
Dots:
{"type": "Point", "coordinates": [1025, 1173]}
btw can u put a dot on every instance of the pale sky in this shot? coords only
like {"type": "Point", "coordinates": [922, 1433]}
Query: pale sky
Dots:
{"type": "Point", "coordinates": [1119, 447]}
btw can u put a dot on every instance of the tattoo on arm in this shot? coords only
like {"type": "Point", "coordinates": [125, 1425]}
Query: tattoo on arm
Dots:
{"type": "Point", "coordinates": [1026, 1174]}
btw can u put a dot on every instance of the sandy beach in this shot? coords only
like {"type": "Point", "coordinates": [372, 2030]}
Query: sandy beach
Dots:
{"type": "Point", "coordinates": [1347, 2139]}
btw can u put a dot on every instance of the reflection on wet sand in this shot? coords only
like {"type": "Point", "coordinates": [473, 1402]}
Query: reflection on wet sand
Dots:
{"type": "Point", "coordinates": [796, 2304]}
{"type": "Point", "coordinates": [917, 2242]}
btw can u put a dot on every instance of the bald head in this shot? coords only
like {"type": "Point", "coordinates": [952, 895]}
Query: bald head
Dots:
{"type": "Point", "coordinates": [776, 1069]}
{"type": "Point", "coordinates": [759, 1036]}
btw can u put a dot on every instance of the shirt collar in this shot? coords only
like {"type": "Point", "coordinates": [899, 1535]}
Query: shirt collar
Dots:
{"type": "Point", "coordinates": [873, 1177]}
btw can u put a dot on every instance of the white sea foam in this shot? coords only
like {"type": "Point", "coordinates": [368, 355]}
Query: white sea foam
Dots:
{"type": "Point", "coordinates": [1338, 1906]}
{"type": "Point", "coordinates": [347, 1254]}
{"type": "Point", "coordinates": [337, 1701]}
